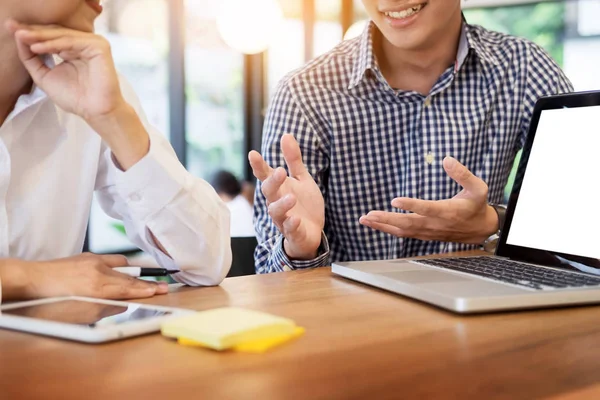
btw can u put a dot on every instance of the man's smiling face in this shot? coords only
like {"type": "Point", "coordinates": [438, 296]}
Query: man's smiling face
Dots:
{"type": "Point", "coordinates": [413, 24]}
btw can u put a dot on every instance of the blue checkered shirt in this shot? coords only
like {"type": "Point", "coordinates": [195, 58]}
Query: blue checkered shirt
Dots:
{"type": "Point", "coordinates": [366, 143]}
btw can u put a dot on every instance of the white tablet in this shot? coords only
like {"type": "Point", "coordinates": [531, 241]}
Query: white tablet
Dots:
{"type": "Point", "coordinates": [85, 319]}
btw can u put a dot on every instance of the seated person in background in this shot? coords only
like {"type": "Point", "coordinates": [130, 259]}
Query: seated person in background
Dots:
{"type": "Point", "coordinates": [74, 127]}
{"type": "Point", "coordinates": [248, 189]}
{"type": "Point", "coordinates": [241, 212]}
{"type": "Point", "coordinates": [373, 122]}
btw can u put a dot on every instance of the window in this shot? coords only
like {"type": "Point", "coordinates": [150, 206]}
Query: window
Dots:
{"type": "Point", "coordinates": [286, 52]}
{"type": "Point", "coordinates": [328, 27]}
{"type": "Point", "coordinates": [138, 33]}
{"type": "Point", "coordinates": [214, 92]}
{"type": "Point", "coordinates": [567, 30]}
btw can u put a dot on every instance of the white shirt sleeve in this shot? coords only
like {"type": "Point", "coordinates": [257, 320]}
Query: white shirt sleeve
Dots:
{"type": "Point", "coordinates": [183, 212]}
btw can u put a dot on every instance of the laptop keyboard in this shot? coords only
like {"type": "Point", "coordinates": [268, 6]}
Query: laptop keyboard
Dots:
{"type": "Point", "coordinates": [515, 273]}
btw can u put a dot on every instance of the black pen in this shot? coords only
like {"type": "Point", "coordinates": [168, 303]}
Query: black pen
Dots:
{"type": "Point", "coordinates": [139, 272]}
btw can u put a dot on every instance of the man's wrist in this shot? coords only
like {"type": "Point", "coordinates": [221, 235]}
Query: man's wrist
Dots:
{"type": "Point", "coordinates": [492, 221]}
{"type": "Point", "coordinates": [491, 242]}
{"type": "Point", "coordinates": [283, 262]}
{"type": "Point", "coordinates": [296, 255]}
{"type": "Point", "coordinates": [124, 133]}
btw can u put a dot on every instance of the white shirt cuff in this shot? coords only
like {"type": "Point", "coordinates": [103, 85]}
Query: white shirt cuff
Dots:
{"type": "Point", "coordinates": [149, 185]}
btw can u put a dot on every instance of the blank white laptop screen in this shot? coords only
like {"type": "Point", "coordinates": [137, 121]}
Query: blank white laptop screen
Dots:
{"type": "Point", "coordinates": [558, 208]}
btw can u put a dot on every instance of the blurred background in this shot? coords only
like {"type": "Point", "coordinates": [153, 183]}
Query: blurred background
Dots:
{"type": "Point", "coordinates": [206, 69]}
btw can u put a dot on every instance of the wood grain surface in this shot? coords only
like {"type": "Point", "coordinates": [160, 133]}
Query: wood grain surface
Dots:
{"type": "Point", "coordinates": [360, 343]}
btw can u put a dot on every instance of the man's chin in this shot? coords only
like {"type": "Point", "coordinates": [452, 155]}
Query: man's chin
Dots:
{"type": "Point", "coordinates": [406, 43]}
{"type": "Point", "coordinates": [81, 23]}
{"type": "Point", "coordinates": [407, 40]}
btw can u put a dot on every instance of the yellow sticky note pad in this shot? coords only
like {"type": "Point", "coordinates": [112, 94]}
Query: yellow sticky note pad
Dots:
{"type": "Point", "coordinates": [224, 328]}
{"type": "Point", "coordinates": [257, 346]}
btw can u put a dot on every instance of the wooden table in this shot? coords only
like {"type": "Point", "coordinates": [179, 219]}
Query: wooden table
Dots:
{"type": "Point", "coordinates": [361, 343]}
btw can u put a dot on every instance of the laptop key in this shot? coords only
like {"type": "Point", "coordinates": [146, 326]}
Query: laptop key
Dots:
{"type": "Point", "coordinates": [512, 272]}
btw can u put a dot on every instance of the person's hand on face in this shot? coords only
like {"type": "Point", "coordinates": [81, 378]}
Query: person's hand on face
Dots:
{"type": "Point", "coordinates": [86, 83]}
{"type": "Point", "coordinates": [466, 218]}
{"type": "Point", "coordinates": [87, 275]}
{"type": "Point", "coordinates": [295, 202]}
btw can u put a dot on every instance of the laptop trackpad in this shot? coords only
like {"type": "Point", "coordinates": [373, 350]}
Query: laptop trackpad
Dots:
{"type": "Point", "coordinates": [425, 276]}
{"type": "Point", "coordinates": [452, 284]}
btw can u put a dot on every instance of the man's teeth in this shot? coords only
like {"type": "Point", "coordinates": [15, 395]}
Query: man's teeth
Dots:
{"type": "Point", "coordinates": [404, 13]}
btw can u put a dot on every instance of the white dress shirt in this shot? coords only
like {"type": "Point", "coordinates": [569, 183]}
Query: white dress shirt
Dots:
{"type": "Point", "coordinates": [51, 162]}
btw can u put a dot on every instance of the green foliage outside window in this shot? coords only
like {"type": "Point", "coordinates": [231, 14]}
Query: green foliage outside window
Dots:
{"type": "Point", "coordinates": [542, 23]}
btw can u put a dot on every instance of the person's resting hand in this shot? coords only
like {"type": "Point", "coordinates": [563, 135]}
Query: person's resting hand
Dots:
{"type": "Point", "coordinates": [87, 275]}
{"type": "Point", "coordinates": [85, 84]}
{"type": "Point", "coordinates": [466, 218]}
{"type": "Point", "coordinates": [295, 202]}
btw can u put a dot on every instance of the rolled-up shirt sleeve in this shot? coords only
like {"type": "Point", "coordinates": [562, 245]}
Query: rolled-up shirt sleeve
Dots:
{"type": "Point", "coordinates": [157, 196]}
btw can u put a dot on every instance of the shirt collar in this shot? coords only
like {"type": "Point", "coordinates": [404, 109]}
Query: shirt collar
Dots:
{"type": "Point", "coordinates": [365, 57]}
{"type": "Point", "coordinates": [366, 60]}
{"type": "Point", "coordinates": [482, 50]}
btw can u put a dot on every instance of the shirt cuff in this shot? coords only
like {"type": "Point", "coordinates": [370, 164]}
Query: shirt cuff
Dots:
{"type": "Point", "coordinates": [149, 185]}
{"type": "Point", "coordinates": [282, 260]}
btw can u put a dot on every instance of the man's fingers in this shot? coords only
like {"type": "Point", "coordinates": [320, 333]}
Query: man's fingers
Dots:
{"type": "Point", "coordinates": [389, 229]}
{"type": "Point", "coordinates": [293, 157]}
{"type": "Point", "coordinates": [270, 187]}
{"type": "Point", "coordinates": [426, 208]}
{"type": "Point", "coordinates": [114, 260]}
{"type": "Point", "coordinates": [123, 291]}
{"type": "Point", "coordinates": [290, 226]}
{"type": "Point", "coordinates": [280, 208]}
{"type": "Point", "coordinates": [394, 230]}
{"type": "Point", "coordinates": [260, 168]}
{"type": "Point", "coordinates": [120, 286]}
{"type": "Point", "coordinates": [464, 177]}
{"type": "Point", "coordinates": [32, 62]}
{"type": "Point", "coordinates": [404, 222]}
{"type": "Point", "coordinates": [61, 45]}
{"type": "Point", "coordinates": [32, 35]}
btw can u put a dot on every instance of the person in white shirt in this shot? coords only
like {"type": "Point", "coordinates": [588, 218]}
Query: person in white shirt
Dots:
{"type": "Point", "coordinates": [229, 188]}
{"type": "Point", "coordinates": [70, 128]}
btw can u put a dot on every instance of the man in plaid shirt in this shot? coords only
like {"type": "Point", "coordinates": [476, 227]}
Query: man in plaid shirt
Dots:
{"type": "Point", "coordinates": [398, 143]}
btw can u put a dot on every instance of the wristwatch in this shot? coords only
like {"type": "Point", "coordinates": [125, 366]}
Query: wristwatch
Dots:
{"type": "Point", "coordinates": [491, 243]}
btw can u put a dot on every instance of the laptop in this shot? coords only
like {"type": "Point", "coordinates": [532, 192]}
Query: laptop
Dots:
{"type": "Point", "coordinates": [548, 253]}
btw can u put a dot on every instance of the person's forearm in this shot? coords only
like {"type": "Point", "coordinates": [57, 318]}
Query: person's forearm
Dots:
{"type": "Point", "coordinates": [124, 134]}
{"type": "Point", "coordinates": [201, 250]}
{"type": "Point", "coordinates": [14, 279]}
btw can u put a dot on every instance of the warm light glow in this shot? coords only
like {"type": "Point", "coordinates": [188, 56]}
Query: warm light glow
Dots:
{"type": "Point", "coordinates": [356, 29]}
{"type": "Point", "coordinates": [249, 26]}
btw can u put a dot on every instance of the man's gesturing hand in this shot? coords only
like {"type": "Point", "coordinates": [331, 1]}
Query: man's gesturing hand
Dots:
{"type": "Point", "coordinates": [295, 202]}
{"type": "Point", "coordinates": [466, 218]}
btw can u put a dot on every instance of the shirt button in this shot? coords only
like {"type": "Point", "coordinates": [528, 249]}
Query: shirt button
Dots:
{"type": "Point", "coordinates": [427, 102]}
{"type": "Point", "coordinates": [429, 158]}
{"type": "Point", "coordinates": [135, 197]}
